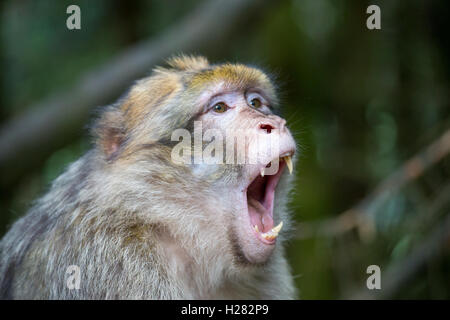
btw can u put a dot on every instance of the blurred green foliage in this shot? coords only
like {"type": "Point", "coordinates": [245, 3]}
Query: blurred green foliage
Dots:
{"type": "Point", "coordinates": [360, 102]}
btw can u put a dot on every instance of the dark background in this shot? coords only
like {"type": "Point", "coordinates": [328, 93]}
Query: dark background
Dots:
{"type": "Point", "coordinates": [369, 108]}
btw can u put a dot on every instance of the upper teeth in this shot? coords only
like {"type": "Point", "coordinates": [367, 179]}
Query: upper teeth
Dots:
{"type": "Point", "coordinates": [288, 161]}
{"type": "Point", "coordinates": [272, 233]}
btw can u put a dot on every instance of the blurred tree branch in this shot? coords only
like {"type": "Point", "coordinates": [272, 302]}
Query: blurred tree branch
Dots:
{"type": "Point", "coordinates": [49, 124]}
{"type": "Point", "coordinates": [431, 211]}
{"type": "Point", "coordinates": [393, 279]}
{"type": "Point", "coordinates": [359, 216]}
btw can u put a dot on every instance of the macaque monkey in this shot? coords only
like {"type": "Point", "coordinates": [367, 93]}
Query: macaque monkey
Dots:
{"type": "Point", "coordinates": [137, 223]}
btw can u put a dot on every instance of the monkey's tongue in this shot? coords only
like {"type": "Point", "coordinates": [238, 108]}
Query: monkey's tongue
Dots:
{"type": "Point", "coordinates": [259, 215]}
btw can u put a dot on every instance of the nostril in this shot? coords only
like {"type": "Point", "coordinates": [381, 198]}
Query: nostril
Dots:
{"type": "Point", "coordinates": [267, 127]}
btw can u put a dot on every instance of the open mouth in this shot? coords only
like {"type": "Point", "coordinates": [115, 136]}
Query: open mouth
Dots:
{"type": "Point", "coordinates": [260, 200]}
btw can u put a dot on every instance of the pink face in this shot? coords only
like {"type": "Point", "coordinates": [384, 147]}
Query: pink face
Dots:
{"type": "Point", "coordinates": [253, 190]}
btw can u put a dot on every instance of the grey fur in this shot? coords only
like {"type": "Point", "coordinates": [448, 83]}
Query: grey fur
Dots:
{"type": "Point", "coordinates": [78, 223]}
{"type": "Point", "coordinates": [138, 227]}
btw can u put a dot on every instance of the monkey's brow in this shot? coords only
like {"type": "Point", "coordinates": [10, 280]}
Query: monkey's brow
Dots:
{"type": "Point", "coordinates": [271, 101]}
{"type": "Point", "coordinates": [220, 93]}
{"type": "Point", "coordinates": [244, 92]}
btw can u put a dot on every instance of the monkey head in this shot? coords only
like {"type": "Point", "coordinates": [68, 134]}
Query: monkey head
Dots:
{"type": "Point", "coordinates": [226, 175]}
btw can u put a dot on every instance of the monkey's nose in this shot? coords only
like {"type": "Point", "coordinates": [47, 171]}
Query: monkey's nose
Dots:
{"type": "Point", "coordinates": [268, 127]}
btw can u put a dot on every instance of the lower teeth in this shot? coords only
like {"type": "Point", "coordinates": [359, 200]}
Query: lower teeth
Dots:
{"type": "Point", "coordinates": [271, 234]}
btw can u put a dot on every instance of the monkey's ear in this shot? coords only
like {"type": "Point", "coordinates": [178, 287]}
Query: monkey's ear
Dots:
{"type": "Point", "coordinates": [188, 63]}
{"type": "Point", "coordinates": [109, 132]}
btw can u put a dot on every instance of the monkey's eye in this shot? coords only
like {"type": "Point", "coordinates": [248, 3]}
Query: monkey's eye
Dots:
{"type": "Point", "coordinates": [255, 103]}
{"type": "Point", "coordinates": [220, 107]}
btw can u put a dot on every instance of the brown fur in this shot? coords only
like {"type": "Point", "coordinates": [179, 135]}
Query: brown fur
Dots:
{"type": "Point", "coordinates": [138, 225]}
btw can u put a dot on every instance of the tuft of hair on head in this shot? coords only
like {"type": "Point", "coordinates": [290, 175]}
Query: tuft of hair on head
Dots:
{"type": "Point", "coordinates": [188, 63]}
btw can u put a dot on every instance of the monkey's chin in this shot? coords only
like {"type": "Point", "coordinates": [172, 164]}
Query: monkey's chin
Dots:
{"type": "Point", "coordinates": [258, 234]}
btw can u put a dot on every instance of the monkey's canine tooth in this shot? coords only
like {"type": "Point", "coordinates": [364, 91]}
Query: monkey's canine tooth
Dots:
{"type": "Point", "coordinates": [256, 228]}
{"type": "Point", "coordinates": [262, 172]}
{"type": "Point", "coordinates": [288, 161]}
{"type": "Point", "coordinates": [277, 229]}
{"type": "Point", "coordinates": [273, 233]}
